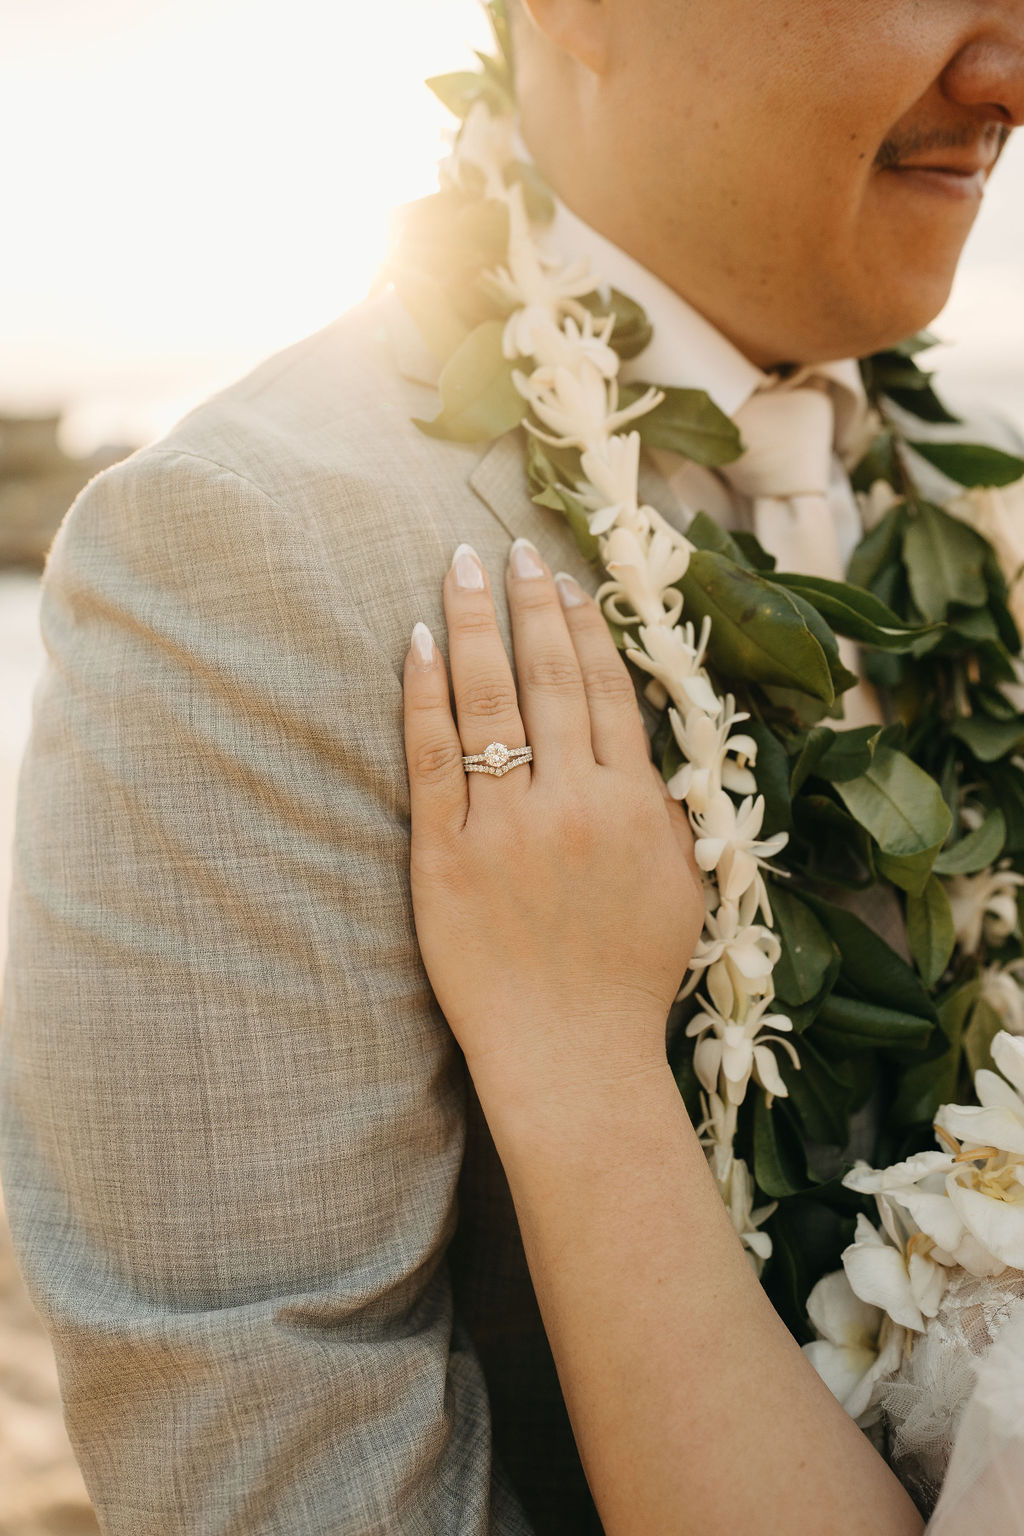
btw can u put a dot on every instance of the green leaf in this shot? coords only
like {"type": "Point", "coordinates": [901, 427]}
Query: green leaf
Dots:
{"type": "Point", "coordinates": [944, 561]}
{"type": "Point", "coordinates": [858, 1025]}
{"type": "Point", "coordinates": [758, 634]}
{"type": "Point", "coordinates": [982, 1028]}
{"type": "Point", "coordinates": [977, 851]}
{"type": "Point", "coordinates": [689, 422]}
{"type": "Point", "coordinates": [772, 778]}
{"type": "Point", "coordinates": [842, 677]}
{"type": "Point", "coordinates": [809, 959]}
{"type": "Point", "coordinates": [779, 1165]}
{"type": "Point", "coordinates": [836, 756]}
{"type": "Point", "coordinates": [921, 341]}
{"type": "Point", "coordinates": [632, 331]}
{"type": "Point", "coordinates": [459, 90]}
{"type": "Point", "coordinates": [972, 463]}
{"type": "Point", "coordinates": [989, 739]}
{"type": "Point", "coordinates": [878, 549]}
{"type": "Point", "coordinates": [872, 969]}
{"type": "Point", "coordinates": [820, 1094]}
{"type": "Point", "coordinates": [930, 930]}
{"type": "Point", "coordinates": [756, 557]}
{"type": "Point", "coordinates": [478, 398]}
{"type": "Point", "coordinates": [902, 808]}
{"type": "Point", "coordinates": [878, 463]}
{"type": "Point", "coordinates": [562, 500]}
{"type": "Point", "coordinates": [923, 403]}
{"type": "Point", "coordinates": [927, 1084]}
{"type": "Point", "coordinates": [705, 533]}
{"type": "Point", "coordinates": [854, 612]}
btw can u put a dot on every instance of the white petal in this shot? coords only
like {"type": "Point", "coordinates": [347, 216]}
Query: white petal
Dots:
{"type": "Point", "coordinates": [979, 1127]}
{"type": "Point", "coordinates": [767, 1070]}
{"type": "Point", "coordinates": [934, 1214]}
{"type": "Point", "coordinates": [928, 1281]}
{"type": "Point", "coordinates": [707, 1059]}
{"type": "Point", "coordinates": [707, 851]}
{"type": "Point", "coordinates": [998, 1225]}
{"type": "Point", "coordinates": [839, 1314]}
{"type": "Point", "coordinates": [994, 1092]}
{"type": "Point", "coordinates": [1008, 1055]}
{"type": "Point", "coordinates": [879, 1276]}
{"type": "Point", "coordinates": [844, 1371]}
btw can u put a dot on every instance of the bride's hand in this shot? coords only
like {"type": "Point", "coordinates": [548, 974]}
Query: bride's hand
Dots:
{"type": "Point", "coordinates": [557, 906]}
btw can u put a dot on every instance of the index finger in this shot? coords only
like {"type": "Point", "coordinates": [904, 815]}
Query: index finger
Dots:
{"type": "Point", "coordinates": [438, 794]}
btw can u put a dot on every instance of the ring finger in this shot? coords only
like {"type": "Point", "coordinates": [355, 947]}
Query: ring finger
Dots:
{"type": "Point", "coordinates": [486, 705]}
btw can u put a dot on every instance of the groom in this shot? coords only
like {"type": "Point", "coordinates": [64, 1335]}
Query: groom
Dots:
{"type": "Point", "coordinates": [252, 1195]}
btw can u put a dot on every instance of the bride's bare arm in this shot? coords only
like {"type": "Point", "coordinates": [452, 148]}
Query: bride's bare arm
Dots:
{"type": "Point", "coordinates": [557, 909]}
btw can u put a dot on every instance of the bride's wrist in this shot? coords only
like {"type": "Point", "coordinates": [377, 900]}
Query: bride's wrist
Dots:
{"type": "Point", "coordinates": [563, 1099]}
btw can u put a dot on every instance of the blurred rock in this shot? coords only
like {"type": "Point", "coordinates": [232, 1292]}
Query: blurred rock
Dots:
{"type": "Point", "coordinates": [38, 483]}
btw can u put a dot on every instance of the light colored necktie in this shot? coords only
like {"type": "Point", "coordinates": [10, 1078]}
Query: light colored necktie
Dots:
{"type": "Point", "coordinates": [786, 471]}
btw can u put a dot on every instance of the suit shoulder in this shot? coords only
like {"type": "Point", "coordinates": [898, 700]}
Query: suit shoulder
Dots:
{"type": "Point", "coordinates": [333, 408]}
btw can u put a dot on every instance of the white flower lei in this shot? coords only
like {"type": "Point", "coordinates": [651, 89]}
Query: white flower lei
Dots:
{"type": "Point", "coordinates": [572, 389]}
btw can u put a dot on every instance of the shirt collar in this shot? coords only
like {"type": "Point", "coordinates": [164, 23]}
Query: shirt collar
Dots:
{"type": "Point", "coordinates": [686, 351]}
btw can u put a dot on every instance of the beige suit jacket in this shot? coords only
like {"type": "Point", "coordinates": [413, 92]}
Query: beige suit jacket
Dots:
{"type": "Point", "coordinates": [233, 1117]}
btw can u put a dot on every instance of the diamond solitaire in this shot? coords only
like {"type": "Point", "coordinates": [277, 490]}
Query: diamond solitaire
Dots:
{"type": "Point", "coordinates": [497, 759]}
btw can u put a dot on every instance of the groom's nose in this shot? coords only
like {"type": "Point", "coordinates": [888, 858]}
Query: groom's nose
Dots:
{"type": "Point", "coordinates": [987, 74]}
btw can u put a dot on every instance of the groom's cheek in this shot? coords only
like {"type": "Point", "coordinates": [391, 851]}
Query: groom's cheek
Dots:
{"type": "Point", "coordinates": [733, 148]}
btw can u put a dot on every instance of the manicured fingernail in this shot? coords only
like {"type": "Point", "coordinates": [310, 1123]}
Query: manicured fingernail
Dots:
{"type": "Point", "coordinates": [569, 591]}
{"type": "Point", "coordinates": [524, 559]}
{"type": "Point", "coordinates": [422, 645]}
{"type": "Point", "coordinates": [469, 573]}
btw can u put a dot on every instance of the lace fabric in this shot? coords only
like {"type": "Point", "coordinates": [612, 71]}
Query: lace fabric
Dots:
{"type": "Point", "coordinates": [953, 1414]}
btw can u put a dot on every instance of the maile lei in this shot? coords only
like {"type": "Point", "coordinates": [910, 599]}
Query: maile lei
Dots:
{"type": "Point", "coordinates": [798, 1013]}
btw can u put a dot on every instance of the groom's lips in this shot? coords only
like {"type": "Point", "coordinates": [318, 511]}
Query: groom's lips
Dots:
{"type": "Point", "coordinates": [959, 177]}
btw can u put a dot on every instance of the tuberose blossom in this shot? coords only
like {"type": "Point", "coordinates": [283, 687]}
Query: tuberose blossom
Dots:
{"type": "Point", "coordinates": [731, 1050]}
{"type": "Point", "coordinates": [1000, 987]}
{"type": "Point", "coordinates": [716, 756]}
{"type": "Point", "coordinates": [538, 289]}
{"type": "Point", "coordinates": [746, 950]}
{"type": "Point", "coordinates": [984, 906]}
{"type": "Point", "coordinates": [485, 143]}
{"type": "Point", "coordinates": [675, 658]}
{"type": "Point", "coordinates": [579, 407]}
{"type": "Point", "coordinates": [612, 470]}
{"type": "Point", "coordinates": [566, 345]}
{"type": "Point", "coordinates": [728, 842]}
{"type": "Point", "coordinates": [643, 576]}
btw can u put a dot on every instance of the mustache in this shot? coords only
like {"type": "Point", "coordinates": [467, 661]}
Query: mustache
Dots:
{"type": "Point", "coordinates": [894, 151]}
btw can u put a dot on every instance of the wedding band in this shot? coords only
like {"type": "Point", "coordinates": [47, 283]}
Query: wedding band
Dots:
{"type": "Point", "coordinates": [497, 759]}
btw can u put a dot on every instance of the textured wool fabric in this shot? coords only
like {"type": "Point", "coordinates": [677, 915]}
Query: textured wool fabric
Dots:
{"type": "Point", "coordinates": [233, 1117]}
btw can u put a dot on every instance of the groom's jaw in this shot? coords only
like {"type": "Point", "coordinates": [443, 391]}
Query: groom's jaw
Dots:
{"type": "Point", "coordinates": [805, 175]}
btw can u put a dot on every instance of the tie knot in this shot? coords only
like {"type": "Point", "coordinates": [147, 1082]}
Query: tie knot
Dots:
{"type": "Point", "coordinates": [789, 437]}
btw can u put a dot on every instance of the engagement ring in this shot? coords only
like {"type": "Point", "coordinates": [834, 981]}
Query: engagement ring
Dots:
{"type": "Point", "coordinates": [497, 759]}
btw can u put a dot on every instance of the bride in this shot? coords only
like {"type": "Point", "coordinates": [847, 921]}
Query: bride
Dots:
{"type": "Point", "coordinates": [692, 1405]}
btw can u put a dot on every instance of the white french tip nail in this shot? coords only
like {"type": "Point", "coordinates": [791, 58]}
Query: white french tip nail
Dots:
{"type": "Point", "coordinates": [422, 644]}
{"type": "Point", "coordinates": [569, 590]}
{"type": "Point", "coordinates": [469, 573]}
{"type": "Point", "coordinates": [524, 559]}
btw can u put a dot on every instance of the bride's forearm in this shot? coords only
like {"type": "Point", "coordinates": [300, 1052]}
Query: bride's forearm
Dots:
{"type": "Point", "coordinates": [693, 1407]}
